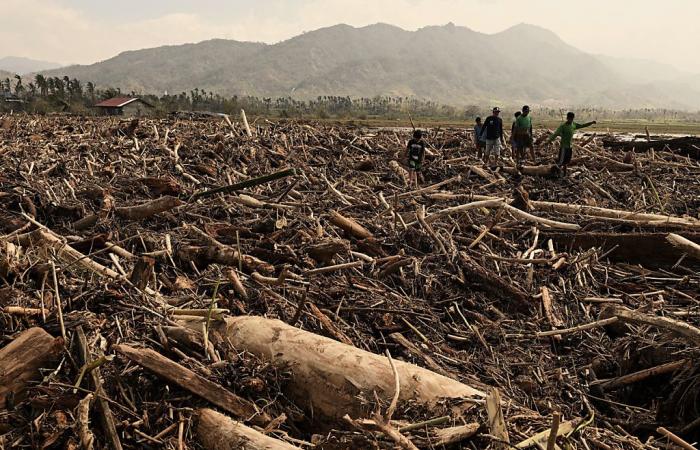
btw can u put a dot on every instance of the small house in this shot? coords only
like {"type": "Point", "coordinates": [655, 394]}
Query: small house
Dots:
{"type": "Point", "coordinates": [12, 101]}
{"type": "Point", "coordinates": [125, 106]}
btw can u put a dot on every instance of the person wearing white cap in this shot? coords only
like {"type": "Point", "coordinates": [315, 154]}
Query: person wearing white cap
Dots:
{"type": "Point", "coordinates": [492, 131]}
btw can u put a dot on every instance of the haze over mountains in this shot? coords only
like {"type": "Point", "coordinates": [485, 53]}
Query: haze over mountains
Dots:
{"type": "Point", "coordinates": [448, 64]}
{"type": "Point", "coordinates": [21, 66]}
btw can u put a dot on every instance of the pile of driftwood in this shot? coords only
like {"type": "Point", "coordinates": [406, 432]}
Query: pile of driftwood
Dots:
{"type": "Point", "coordinates": [221, 284]}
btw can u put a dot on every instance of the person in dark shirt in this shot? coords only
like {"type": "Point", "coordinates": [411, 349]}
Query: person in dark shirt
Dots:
{"type": "Point", "coordinates": [493, 133]}
{"type": "Point", "coordinates": [415, 152]}
{"type": "Point", "coordinates": [479, 142]}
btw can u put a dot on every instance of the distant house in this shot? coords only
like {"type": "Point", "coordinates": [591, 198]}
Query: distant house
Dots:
{"type": "Point", "coordinates": [125, 106]}
{"type": "Point", "coordinates": [11, 100]}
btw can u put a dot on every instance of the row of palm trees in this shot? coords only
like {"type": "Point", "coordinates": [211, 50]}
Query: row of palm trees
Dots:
{"type": "Point", "coordinates": [65, 88]}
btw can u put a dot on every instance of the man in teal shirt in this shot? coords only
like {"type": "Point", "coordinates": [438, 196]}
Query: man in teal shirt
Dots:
{"type": "Point", "coordinates": [566, 131]}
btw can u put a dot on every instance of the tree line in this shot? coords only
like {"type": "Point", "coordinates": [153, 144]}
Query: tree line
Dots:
{"type": "Point", "coordinates": [43, 95]}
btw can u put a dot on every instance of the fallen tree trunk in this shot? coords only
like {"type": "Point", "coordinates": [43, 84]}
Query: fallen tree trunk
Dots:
{"type": "Point", "coordinates": [630, 216]}
{"type": "Point", "coordinates": [647, 249]}
{"type": "Point", "coordinates": [20, 361]}
{"type": "Point", "coordinates": [216, 431]}
{"type": "Point", "coordinates": [686, 146]}
{"type": "Point", "coordinates": [329, 377]}
{"type": "Point", "coordinates": [686, 245]}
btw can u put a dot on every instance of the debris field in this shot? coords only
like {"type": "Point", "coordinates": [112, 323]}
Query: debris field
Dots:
{"type": "Point", "coordinates": [216, 284]}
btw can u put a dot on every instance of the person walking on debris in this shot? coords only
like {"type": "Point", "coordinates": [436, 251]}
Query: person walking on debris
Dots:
{"type": "Point", "coordinates": [522, 135]}
{"type": "Point", "coordinates": [493, 133]}
{"type": "Point", "coordinates": [415, 151]}
{"type": "Point", "coordinates": [479, 141]}
{"type": "Point", "coordinates": [566, 131]}
{"type": "Point", "coordinates": [512, 134]}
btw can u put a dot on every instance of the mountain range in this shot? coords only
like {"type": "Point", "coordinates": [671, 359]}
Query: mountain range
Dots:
{"type": "Point", "coordinates": [447, 64]}
{"type": "Point", "coordinates": [21, 66]}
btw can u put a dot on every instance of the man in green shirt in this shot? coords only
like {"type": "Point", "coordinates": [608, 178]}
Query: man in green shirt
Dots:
{"type": "Point", "coordinates": [522, 135]}
{"type": "Point", "coordinates": [566, 131]}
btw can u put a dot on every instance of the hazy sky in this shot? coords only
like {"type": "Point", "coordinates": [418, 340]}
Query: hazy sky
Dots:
{"type": "Point", "coordinates": [85, 31]}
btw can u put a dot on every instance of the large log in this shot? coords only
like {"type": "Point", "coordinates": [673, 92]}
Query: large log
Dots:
{"type": "Point", "coordinates": [684, 245]}
{"type": "Point", "coordinates": [329, 377]}
{"type": "Point", "coordinates": [20, 361]}
{"type": "Point", "coordinates": [648, 249]}
{"type": "Point", "coordinates": [631, 217]}
{"type": "Point", "coordinates": [216, 431]}
{"type": "Point", "coordinates": [686, 146]}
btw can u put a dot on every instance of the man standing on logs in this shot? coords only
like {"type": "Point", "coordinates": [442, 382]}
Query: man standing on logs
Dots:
{"type": "Point", "coordinates": [493, 132]}
{"type": "Point", "coordinates": [415, 151]}
{"type": "Point", "coordinates": [566, 131]}
{"type": "Point", "coordinates": [522, 136]}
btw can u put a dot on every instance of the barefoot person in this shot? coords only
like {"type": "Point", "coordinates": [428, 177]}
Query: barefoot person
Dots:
{"type": "Point", "coordinates": [493, 133]}
{"type": "Point", "coordinates": [566, 131]}
{"type": "Point", "coordinates": [415, 152]}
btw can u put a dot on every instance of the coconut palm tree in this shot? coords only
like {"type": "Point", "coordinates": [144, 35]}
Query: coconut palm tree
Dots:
{"type": "Point", "coordinates": [41, 83]}
{"type": "Point", "coordinates": [19, 89]}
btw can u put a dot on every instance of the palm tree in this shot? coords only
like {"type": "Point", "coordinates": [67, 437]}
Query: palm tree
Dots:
{"type": "Point", "coordinates": [90, 88]}
{"type": "Point", "coordinates": [60, 87]}
{"type": "Point", "coordinates": [77, 87]}
{"type": "Point", "coordinates": [41, 83]}
{"type": "Point", "coordinates": [19, 89]}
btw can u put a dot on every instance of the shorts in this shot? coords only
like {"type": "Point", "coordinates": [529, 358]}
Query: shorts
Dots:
{"type": "Point", "coordinates": [481, 145]}
{"type": "Point", "coordinates": [414, 165]}
{"type": "Point", "coordinates": [493, 147]}
{"type": "Point", "coordinates": [565, 156]}
{"type": "Point", "coordinates": [522, 142]}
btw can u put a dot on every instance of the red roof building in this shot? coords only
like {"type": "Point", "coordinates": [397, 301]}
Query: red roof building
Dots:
{"type": "Point", "coordinates": [125, 106]}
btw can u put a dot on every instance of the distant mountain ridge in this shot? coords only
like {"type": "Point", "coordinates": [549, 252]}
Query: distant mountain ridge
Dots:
{"type": "Point", "coordinates": [448, 64]}
{"type": "Point", "coordinates": [19, 65]}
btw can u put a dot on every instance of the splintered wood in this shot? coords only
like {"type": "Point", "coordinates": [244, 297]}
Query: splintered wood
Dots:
{"type": "Point", "coordinates": [267, 269]}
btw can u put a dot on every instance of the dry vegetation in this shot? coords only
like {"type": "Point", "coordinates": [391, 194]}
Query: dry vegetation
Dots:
{"type": "Point", "coordinates": [134, 299]}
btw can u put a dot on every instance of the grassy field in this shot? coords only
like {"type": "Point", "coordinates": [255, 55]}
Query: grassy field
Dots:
{"type": "Point", "coordinates": [603, 126]}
